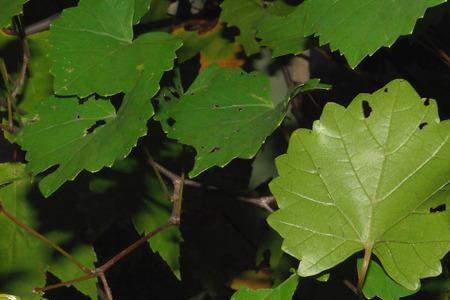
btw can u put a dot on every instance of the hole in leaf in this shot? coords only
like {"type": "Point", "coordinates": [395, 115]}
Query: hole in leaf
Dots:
{"type": "Point", "coordinates": [386, 90]}
{"type": "Point", "coordinates": [240, 109]}
{"type": "Point", "coordinates": [236, 131]}
{"type": "Point", "coordinates": [367, 110]}
{"type": "Point", "coordinates": [214, 149]}
{"type": "Point", "coordinates": [216, 106]}
{"type": "Point", "coordinates": [438, 208]}
{"type": "Point", "coordinates": [78, 116]}
{"type": "Point", "coordinates": [426, 102]}
{"type": "Point", "coordinates": [95, 126]}
{"type": "Point", "coordinates": [170, 121]}
{"type": "Point", "coordinates": [422, 125]}
{"type": "Point", "coordinates": [82, 100]}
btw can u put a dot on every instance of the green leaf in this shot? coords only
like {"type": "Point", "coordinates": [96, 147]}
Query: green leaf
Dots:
{"type": "Point", "coordinates": [10, 8]}
{"type": "Point", "coordinates": [379, 284]}
{"type": "Point", "coordinates": [154, 212]}
{"type": "Point", "coordinates": [39, 83]}
{"type": "Point", "coordinates": [358, 28]}
{"type": "Point", "coordinates": [225, 114]}
{"type": "Point", "coordinates": [284, 291]}
{"type": "Point", "coordinates": [21, 253]}
{"type": "Point", "coordinates": [88, 136]}
{"type": "Point", "coordinates": [247, 15]}
{"type": "Point", "coordinates": [141, 7]}
{"type": "Point", "coordinates": [272, 32]}
{"type": "Point", "coordinates": [93, 50]}
{"type": "Point", "coordinates": [364, 178]}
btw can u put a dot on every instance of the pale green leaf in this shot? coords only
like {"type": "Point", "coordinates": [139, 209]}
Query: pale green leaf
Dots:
{"type": "Point", "coordinates": [88, 136]}
{"type": "Point", "coordinates": [24, 258]}
{"type": "Point", "coordinates": [8, 297]}
{"type": "Point", "coordinates": [365, 181]}
{"type": "Point", "coordinates": [379, 284]}
{"type": "Point", "coordinates": [284, 291]}
{"type": "Point", "coordinates": [9, 8]}
{"type": "Point", "coordinates": [154, 212]}
{"type": "Point", "coordinates": [93, 50]}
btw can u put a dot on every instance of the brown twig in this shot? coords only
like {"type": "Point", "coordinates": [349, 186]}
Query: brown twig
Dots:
{"type": "Point", "coordinates": [173, 220]}
{"type": "Point", "coordinates": [351, 286]}
{"type": "Point", "coordinates": [265, 202]}
{"type": "Point", "coordinates": [39, 26]}
{"type": "Point", "coordinates": [106, 287]}
{"type": "Point", "coordinates": [33, 232]}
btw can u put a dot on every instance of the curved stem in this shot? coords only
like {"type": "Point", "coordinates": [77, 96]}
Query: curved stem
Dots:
{"type": "Point", "coordinates": [365, 266]}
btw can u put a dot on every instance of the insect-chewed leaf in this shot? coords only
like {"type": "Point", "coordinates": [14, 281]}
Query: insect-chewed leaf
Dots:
{"type": "Point", "coordinates": [93, 49]}
{"type": "Point", "coordinates": [88, 136]}
{"type": "Point", "coordinates": [284, 291]}
{"type": "Point", "coordinates": [225, 114]}
{"type": "Point", "coordinates": [365, 178]}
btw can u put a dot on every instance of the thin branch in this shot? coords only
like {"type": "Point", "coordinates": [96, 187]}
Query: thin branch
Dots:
{"type": "Point", "coordinates": [36, 234]}
{"type": "Point", "coordinates": [106, 287]}
{"type": "Point", "coordinates": [63, 284]}
{"type": "Point", "coordinates": [39, 26]}
{"type": "Point", "coordinates": [265, 202]}
{"type": "Point", "coordinates": [351, 286]}
{"type": "Point", "coordinates": [132, 247]}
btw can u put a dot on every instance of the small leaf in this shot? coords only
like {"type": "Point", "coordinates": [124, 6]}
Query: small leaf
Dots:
{"type": "Point", "coordinates": [284, 291]}
{"type": "Point", "coordinates": [141, 8]}
{"type": "Point", "coordinates": [93, 50]}
{"type": "Point", "coordinates": [156, 211]}
{"type": "Point", "coordinates": [9, 8]}
{"type": "Point", "coordinates": [88, 136]}
{"type": "Point", "coordinates": [379, 284]}
{"type": "Point", "coordinates": [247, 15]}
{"type": "Point", "coordinates": [365, 178]}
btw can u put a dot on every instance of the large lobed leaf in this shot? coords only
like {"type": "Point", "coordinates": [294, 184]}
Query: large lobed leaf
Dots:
{"type": "Point", "coordinates": [365, 178]}
{"type": "Point", "coordinates": [356, 28]}
{"type": "Point", "coordinates": [93, 50]}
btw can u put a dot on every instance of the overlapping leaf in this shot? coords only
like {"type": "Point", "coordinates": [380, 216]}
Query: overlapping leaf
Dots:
{"type": "Point", "coordinates": [365, 178]}
{"type": "Point", "coordinates": [378, 284]}
{"type": "Point", "coordinates": [93, 50]}
{"type": "Point", "coordinates": [356, 28]}
{"type": "Point", "coordinates": [75, 137]}
{"type": "Point", "coordinates": [247, 15]}
{"type": "Point", "coordinates": [284, 291]}
{"type": "Point", "coordinates": [9, 8]}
